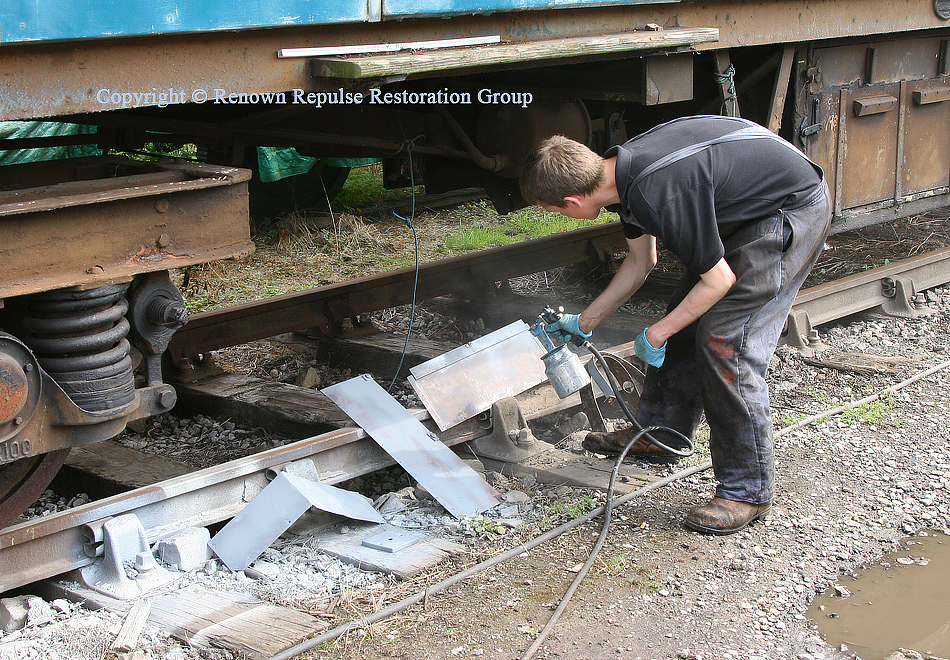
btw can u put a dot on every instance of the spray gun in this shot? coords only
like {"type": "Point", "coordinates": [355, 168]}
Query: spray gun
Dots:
{"type": "Point", "coordinates": [566, 374]}
{"type": "Point", "coordinates": [562, 367]}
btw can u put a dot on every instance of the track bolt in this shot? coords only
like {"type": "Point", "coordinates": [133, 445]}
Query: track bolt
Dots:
{"type": "Point", "coordinates": [167, 398]}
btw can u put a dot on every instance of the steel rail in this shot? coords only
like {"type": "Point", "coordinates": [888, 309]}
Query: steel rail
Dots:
{"type": "Point", "coordinates": [54, 544]}
{"type": "Point", "coordinates": [877, 286]}
{"type": "Point", "coordinates": [322, 306]}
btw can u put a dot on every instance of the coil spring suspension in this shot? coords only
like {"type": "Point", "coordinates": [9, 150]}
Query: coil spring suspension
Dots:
{"type": "Point", "coordinates": [79, 338]}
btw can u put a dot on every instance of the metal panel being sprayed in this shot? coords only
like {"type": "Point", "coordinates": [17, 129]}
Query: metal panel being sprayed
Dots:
{"type": "Point", "coordinates": [456, 486]}
{"type": "Point", "coordinates": [467, 380]}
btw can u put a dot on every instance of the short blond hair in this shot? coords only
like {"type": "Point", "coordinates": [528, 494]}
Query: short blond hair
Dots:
{"type": "Point", "coordinates": [560, 167]}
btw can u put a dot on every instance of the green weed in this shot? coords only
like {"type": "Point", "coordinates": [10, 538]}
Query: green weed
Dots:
{"type": "Point", "coordinates": [482, 527]}
{"type": "Point", "coordinates": [872, 412]}
{"type": "Point", "coordinates": [477, 238]}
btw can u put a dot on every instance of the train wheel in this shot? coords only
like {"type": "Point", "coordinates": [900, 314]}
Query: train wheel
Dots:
{"type": "Point", "coordinates": [23, 481]}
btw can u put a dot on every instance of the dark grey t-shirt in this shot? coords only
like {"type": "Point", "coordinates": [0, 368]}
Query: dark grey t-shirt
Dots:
{"type": "Point", "coordinates": [692, 202]}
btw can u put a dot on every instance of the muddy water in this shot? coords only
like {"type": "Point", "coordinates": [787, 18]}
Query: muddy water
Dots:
{"type": "Point", "coordinates": [901, 602]}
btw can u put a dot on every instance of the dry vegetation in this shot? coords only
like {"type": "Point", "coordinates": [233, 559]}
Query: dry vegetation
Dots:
{"type": "Point", "coordinates": [307, 250]}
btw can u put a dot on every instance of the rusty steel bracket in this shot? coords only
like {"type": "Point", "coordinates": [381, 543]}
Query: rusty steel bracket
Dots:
{"type": "Point", "coordinates": [903, 298]}
{"type": "Point", "coordinates": [156, 311]}
{"type": "Point", "coordinates": [510, 440]}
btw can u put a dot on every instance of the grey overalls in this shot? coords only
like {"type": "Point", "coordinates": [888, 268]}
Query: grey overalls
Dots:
{"type": "Point", "coordinates": [718, 364]}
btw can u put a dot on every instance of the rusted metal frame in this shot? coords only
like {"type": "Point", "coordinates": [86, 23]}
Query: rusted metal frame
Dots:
{"type": "Point", "coordinates": [246, 61]}
{"type": "Point", "coordinates": [780, 88]}
{"type": "Point", "coordinates": [243, 323]}
{"type": "Point", "coordinates": [899, 156]}
{"type": "Point", "coordinates": [873, 214]}
{"type": "Point", "coordinates": [862, 291]}
{"type": "Point", "coordinates": [121, 233]}
{"type": "Point", "coordinates": [840, 151]}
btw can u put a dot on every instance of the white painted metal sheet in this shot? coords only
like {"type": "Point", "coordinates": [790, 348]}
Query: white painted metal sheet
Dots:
{"type": "Point", "coordinates": [456, 486]}
{"type": "Point", "coordinates": [467, 380]}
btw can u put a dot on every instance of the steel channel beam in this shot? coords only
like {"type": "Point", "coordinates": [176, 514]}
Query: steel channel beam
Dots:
{"type": "Point", "coordinates": [57, 231]}
{"type": "Point", "coordinates": [46, 79]}
{"type": "Point", "coordinates": [862, 291]}
{"type": "Point", "coordinates": [296, 311]}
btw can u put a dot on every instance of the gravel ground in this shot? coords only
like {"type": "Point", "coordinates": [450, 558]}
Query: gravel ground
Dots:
{"type": "Point", "coordinates": [850, 487]}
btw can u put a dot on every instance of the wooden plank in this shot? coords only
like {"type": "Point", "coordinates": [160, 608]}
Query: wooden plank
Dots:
{"type": "Point", "coordinates": [210, 618]}
{"type": "Point", "coordinates": [377, 66]}
{"type": "Point", "coordinates": [780, 89]}
{"type": "Point", "coordinates": [361, 49]}
{"type": "Point", "coordinates": [109, 467]}
{"type": "Point", "coordinates": [135, 620]}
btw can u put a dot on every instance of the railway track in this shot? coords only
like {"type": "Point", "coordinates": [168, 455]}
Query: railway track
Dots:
{"type": "Point", "coordinates": [66, 541]}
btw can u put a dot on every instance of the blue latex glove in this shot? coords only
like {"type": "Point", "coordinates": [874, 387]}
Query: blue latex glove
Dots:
{"type": "Point", "coordinates": [565, 327]}
{"type": "Point", "coordinates": [646, 352]}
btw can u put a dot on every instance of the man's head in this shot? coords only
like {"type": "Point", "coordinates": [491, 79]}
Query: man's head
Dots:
{"type": "Point", "coordinates": [559, 168]}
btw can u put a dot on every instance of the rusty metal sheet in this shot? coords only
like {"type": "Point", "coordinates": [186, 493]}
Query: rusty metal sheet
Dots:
{"type": "Point", "coordinates": [867, 148]}
{"type": "Point", "coordinates": [467, 380]}
{"type": "Point", "coordinates": [93, 221]}
{"type": "Point", "coordinates": [926, 147]}
{"type": "Point", "coordinates": [57, 78]}
{"type": "Point", "coordinates": [456, 486]}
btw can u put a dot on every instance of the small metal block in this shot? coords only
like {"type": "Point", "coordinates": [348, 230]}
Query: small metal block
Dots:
{"type": "Point", "coordinates": [390, 541]}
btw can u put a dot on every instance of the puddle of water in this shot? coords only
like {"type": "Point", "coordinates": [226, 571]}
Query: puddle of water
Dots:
{"type": "Point", "coordinates": [900, 602]}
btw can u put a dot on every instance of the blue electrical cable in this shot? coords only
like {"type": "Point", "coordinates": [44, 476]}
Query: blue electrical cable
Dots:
{"type": "Point", "coordinates": [415, 284]}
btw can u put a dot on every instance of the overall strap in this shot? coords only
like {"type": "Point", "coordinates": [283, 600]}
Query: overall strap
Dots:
{"type": "Point", "coordinates": [750, 132]}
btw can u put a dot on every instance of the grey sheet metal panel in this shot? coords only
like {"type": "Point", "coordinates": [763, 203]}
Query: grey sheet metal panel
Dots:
{"type": "Point", "coordinates": [457, 487]}
{"type": "Point", "coordinates": [275, 509]}
{"type": "Point", "coordinates": [467, 380]}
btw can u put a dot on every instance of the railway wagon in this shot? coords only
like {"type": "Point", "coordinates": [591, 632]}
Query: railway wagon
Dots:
{"type": "Point", "coordinates": [449, 93]}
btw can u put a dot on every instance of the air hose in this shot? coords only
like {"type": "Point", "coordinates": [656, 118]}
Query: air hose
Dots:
{"type": "Point", "coordinates": [686, 450]}
{"type": "Point", "coordinates": [642, 432]}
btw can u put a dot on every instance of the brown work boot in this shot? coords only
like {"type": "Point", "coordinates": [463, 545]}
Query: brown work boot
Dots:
{"type": "Point", "coordinates": [612, 444]}
{"type": "Point", "coordinates": [721, 516]}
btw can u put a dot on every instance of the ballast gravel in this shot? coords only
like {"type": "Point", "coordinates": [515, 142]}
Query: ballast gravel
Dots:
{"type": "Point", "coordinates": [851, 486]}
